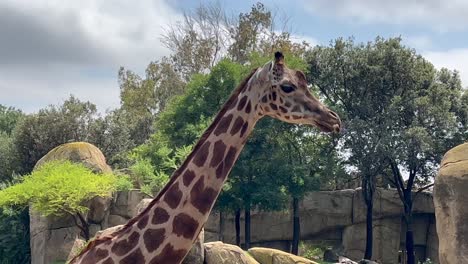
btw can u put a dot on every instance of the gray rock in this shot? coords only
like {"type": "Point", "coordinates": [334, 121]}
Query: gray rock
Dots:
{"type": "Point", "coordinates": [78, 245]}
{"type": "Point", "coordinates": [98, 208]}
{"type": "Point", "coordinates": [196, 254]}
{"type": "Point", "coordinates": [451, 210]}
{"type": "Point", "coordinates": [142, 205]}
{"type": "Point", "coordinates": [109, 231]}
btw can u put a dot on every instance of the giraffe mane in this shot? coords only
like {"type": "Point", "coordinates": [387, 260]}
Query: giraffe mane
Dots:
{"type": "Point", "coordinates": [176, 173]}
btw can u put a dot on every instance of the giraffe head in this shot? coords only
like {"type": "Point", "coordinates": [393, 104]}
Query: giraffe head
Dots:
{"type": "Point", "coordinates": [285, 96]}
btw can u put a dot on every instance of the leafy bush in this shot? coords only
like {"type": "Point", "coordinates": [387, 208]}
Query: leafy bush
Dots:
{"type": "Point", "coordinates": [123, 182]}
{"type": "Point", "coordinates": [60, 188]}
{"type": "Point", "coordinates": [57, 188]}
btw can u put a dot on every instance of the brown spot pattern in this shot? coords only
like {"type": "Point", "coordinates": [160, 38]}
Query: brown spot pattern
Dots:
{"type": "Point", "coordinates": [218, 153]}
{"type": "Point", "coordinates": [143, 222]}
{"type": "Point", "coordinates": [282, 109]}
{"type": "Point", "coordinates": [202, 198]}
{"type": "Point", "coordinates": [264, 99]}
{"type": "Point", "coordinates": [188, 177]}
{"type": "Point", "coordinates": [123, 246]}
{"type": "Point", "coordinates": [233, 104]}
{"type": "Point", "coordinates": [169, 256]}
{"type": "Point", "coordinates": [273, 106]}
{"type": "Point", "coordinates": [237, 125]}
{"type": "Point", "coordinates": [242, 102]}
{"type": "Point", "coordinates": [108, 261]}
{"type": "Point", "coordinates": [223, 125]}
{"type": "Point", "coordinates": [202, 154]}
{"type": "Point", "coordinates": [95, 255]}
{"type": "Point", "coordinates": [134, 258]}
{"type": "Point", "coordinates": [244, 129]}
{"type": "Point", "coordinates": [225, 166]}
{"type": "Point", "coordinates": [287, 104]}
{"type": "Point", "coordinates": [184, 225]}
{"type": "Point", "coordinates": [248, 108]}
{"type": "Point", "coordinates": [160, 216]}
{"type": "Point", "coordinates": [173, 195]}
{"type": "Point", "coordinates": [153, 238]}
{"type": "Point", "coordinates": [274, 96]}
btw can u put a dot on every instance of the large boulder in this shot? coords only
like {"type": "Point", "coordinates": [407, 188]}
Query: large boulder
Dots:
{"type": "Point", "coordinates": [274, 256]}
{"type": "Point", "coordinates": [79, 152]}
{"type": "Point", "coordinates": [53, 237]}
{"type": "Point", "coordinates": [218, 252]}
{"type": "Point", "coordinates": [451, 210]}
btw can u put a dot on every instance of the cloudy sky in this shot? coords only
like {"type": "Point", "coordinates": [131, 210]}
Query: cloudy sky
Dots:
{"type": "Point", "coordinates": [50, 49]}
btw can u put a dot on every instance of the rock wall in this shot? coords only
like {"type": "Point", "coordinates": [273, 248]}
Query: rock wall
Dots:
{"type": "Point", "coordinates": [338, 219]}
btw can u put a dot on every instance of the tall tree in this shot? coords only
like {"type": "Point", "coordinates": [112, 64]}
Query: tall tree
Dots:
{"type": "Point", "coordinates": [400, 113]}
{"type": "Point", "coordinates": [143, 98]}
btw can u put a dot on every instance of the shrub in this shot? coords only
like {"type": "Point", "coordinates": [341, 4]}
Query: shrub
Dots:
{"type": "Point", "coordinates": [59, 188]}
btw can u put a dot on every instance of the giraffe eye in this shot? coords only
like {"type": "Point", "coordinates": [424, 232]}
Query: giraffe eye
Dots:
{"type": "Point", "coordinates": [287, 88]}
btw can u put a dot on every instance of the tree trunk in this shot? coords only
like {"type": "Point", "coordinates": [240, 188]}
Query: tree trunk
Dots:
{"type": "Point", "coordinates": [369, 233]}
{"type": "Point", "coordinates": [296, 227]}
{"type": "Point", "coordinates": [368, 189]}
{"type": "Point", "coordinates": [247, 227]}
{"type": "Point", "coordinates": [84, 227]}
{"type": "Point", "coordinates": [238, 240]}
{"type": "Point", "coordinates": [408, 205]}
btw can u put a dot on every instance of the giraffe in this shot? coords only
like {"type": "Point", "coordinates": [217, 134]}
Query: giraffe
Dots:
{"type": "Point", "coordinates": [164, 232]}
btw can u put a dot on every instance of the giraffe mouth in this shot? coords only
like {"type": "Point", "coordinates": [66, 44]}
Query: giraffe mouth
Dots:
{"type": "Point", "coordinates": [327, 128]}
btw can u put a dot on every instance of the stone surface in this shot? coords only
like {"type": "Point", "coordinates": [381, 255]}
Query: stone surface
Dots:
{"type": "Point", "coordinates": [196, 254]}
{"type": "Point", "coordinates": [78, 245]}
{"type": "Point", "coordinates": [451, 210]}
{"type": "Point", "coordinates": [80, 152]}
{"type": "Point", "coordinates": [108, 231]}
{"type": "Point", "coordinates": [274, 256]}
{"type": "Point", "coordinates": [218, 252]}
{"type": "Point", "coordinates": [142, 205]}
{"type": "Point", "coordinates": [387, 203]}
{"type": "Point", "coordinates": [98, 209]}
{"type": "Point", "coordinates": [126, 202]}
{"type": "Point", "coordinates": [386, 242]}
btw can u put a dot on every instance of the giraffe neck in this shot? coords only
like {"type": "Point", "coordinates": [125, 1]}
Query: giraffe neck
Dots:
{"type": "Point", "coordinates": [165, 231]}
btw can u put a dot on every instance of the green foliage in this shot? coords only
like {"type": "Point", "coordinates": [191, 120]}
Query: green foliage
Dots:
{"type": "Point", "coordinates": [37, 134]}
{"type": "Point", "coordinates": [9, 117]}
{"type": "Point", "coordinates": [14, 236]}
{"type": "Point", "coordinates": [312, 251]}
{"type": "Point", "coordinates": [123, 182]}
{"type": "Point", "coordinates": [58, 188]}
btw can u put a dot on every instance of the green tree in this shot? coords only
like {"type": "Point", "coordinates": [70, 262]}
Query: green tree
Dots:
{"type": "Point", "coordinates": [59, 188]}
{"type": "Point", "coordinates": [37, 134]}
{"type": "Point", "coordinates": [9, 117]}
{"type": "Point", "coordinates": [9, 163]}
{"type": "Point", "coordinates": [399, 115]}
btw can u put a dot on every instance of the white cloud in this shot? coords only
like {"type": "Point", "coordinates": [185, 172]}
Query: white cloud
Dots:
{"type": "Point", "coordinates": [48, 45]}
{"type": "Point", "coordinates": [449, 15]}
{"type": "Point", "coordinates": [300, 38]}
{"type": "Point", "coordinates": [454, 59]}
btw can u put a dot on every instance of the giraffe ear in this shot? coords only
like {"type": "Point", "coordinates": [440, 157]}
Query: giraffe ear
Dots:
{"type": "Point", "coordinates": [279, 57]}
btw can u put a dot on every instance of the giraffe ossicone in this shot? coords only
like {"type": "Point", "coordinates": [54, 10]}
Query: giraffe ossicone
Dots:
{"type": "Point", "coordinates": [164, 232]}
